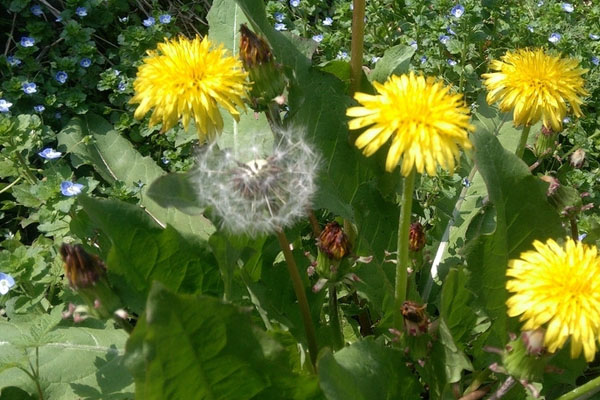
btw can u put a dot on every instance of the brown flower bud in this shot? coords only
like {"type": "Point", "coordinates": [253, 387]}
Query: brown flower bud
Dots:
{"type": "Point", "coordinates": [577, 158]}
{"type": "Point", "coordinates": [333, 241]}
{"type": "Point", "coordinates": [82, 269]}
{"type": "Point", "coordinates": [416, 237]}
{"type": "Point", "coordinates": [415, 318]}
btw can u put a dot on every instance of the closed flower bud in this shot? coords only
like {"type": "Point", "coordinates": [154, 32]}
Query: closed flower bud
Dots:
{"type": "Point", "coordinates": [333, 241]}
{"type": "Point", "coordinates": [525, 357]}
{"type": "Point", "coordinates": [545, 143]}
{"type": "Point", "coordinates": [416, 237]}
{"type": "Point", "coordinates": [415, 317]}
{"type": "Point", "coordinates": [577, 158]}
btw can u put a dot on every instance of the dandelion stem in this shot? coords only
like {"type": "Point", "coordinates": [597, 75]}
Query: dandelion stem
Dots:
{"type": "Point", "coordinates": [584, 391]}
{"type": "Point", "coordinates": [334, 319]}
{"type": "Point", "coordinates": [309, 328]}
{"type": "Point", "coordinates": [523, 141]}
{"type": "Point", "coordinates": [356, 51]}
{"type": "Point", "coordinates": [574, 230]}
{"type": "Point", "coordinates": [402, 250]}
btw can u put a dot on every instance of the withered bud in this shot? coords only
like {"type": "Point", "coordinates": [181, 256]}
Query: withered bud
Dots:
{"type": "Point", "coordinates": [333, 241]}
{"type": "Point", "coordinates": [415, 318]}
{"type": "Point", "coordinates": [554, 184]}
{"type": "Point", "coordinates": [577, 158]}
{"type": "Point", "coordinates": [254, 50]}
{"type": "Point", "coordinates": [534, 341]}
{"type": "Point", "coordinates": [82, 269]}
{"type": "Point", "coordinates": [416, 237]}
{"type": "Point", "coordinates": [547, 131]}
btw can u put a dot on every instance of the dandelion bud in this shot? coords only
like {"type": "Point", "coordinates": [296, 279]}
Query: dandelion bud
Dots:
{"type": "Point", "coordinates": [534, 341]}
{"type": "Point", "coordinates": [415, 317]}
{"type": "Point", "coordinates": [565, 199]}
{"type": "Point", "coordinates": [577, 158]}
{"type": "Point", "coordinates": [416, 237]}
{"type": "Point", "coordinates": [333, 241]}
{"type": "Point", "coordinates": [525, 357]}
{"type": "Point", "coordinates": [267, 77]}
{"type": "Point", "coordinates": [546, 142]}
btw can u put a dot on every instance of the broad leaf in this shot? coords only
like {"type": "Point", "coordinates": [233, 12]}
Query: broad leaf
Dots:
{"type": "Point", "coordinates": [395, 61]}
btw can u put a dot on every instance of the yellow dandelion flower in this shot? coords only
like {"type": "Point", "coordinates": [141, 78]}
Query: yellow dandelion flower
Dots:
{"type": "Point", "coordinates": [190, 79]}
{"type": "Point", "coordinates": [558, 286]}
{"type": "Point", "coordinates": [426, 122]}
{"type": "Point", "coordinates": [537, 86]}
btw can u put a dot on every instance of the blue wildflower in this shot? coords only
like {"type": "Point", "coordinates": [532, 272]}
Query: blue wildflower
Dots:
{"type": "Point", "coordinates": [61, 77]}
{"type": "Point", "coordinates": [6, 282]}
{"type": "Point", "coordinates": [280, 27]}
{"type": "Point", "coordinates": [57, 115]}
{"type": "Point", "coordinates": [81, 11]}
{"type": "Point", "coordinates": [466, 182]}
{"type": "Point", "coordinates": [29, 87]}
{"type": "Point", "coordinates": [374, 59]}
{"type": "Point", "coordinates": [444, 39]}
{"type": "Point", "coordinates": [595, 60]}
{"type": "Point", "coordinates": [567, 7]}
{"type": "Point", "coordinates": [36, 10]}
{"type": "Point", "coordinates": [279, 16]}
{"type": "Point", "coordinates": [328, 21]}
{"type": "Point", "coordinates": [69, 188]}
{"type": "Point", "coordinates": [451, 62]}
{"type": "Point", "coordinates": [457, 11]}
{"type": "Point", "coordinates": [122, 86]}
{"type": "Point", "coordinates": [164, 19]}
{"type": "Point", "coordinates": [450, 31]}
{"type": "Point", "coordinates": [148, 22]}
{"type": "Point", "coordinates": [566, 120]}
{"type": "Point", "coordinates": [413, 44]}
{"type": "Point", "coordinates": [593, 36]}
{"type": "Point", "coordinates": [49, 153]}
{"type": "Point", "coordinates": [294, 3]}
{"type": "Point", "coordinates": [582, 236]}
{"type": "Point", "coordinates": [423, 60]}
{"type": "Point", "coordinates": [342, 55]}
{"type": "Point", "coordinates": [58, 19]}
{"type": "Point", "coordinates": [318, 38]}
{"type": "Point", "coordinates": [124, 19]}
{"type": "Point", "coordinates": [117, 72]}
{"type": "Point", "coordinates": [27, 41]}
{"type": "Point", "coordinates": [85, 62]}
{"type": "Point", "coordinates": [530, 28]}
{"type": "Point", "coordinates": [13, 61]}
{"type": "Point", "coordinates": [540, 3]}
{"type": "Point", "coordinates": [5, 106]}
{"type": "Point", "coordinates": [39, 108]}
{"type": "Point", "coordinates": [165, 160]}
{"type": "Point", "coordinates": [554, 37]}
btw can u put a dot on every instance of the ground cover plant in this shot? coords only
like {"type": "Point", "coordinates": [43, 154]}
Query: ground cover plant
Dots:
{"type": "Point", "coordinates": [299, 199]}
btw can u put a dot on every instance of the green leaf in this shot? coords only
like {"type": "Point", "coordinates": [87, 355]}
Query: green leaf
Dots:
{"type": "Point", "coordinates": [455, 306]}
{"type": "Point", "coordinates": [196, 347]}
{"type": "Point", "coordinates": [115, 158]}
{"type": "Point", "coordinates": [395, 61]}
{"type": "Point", "coordinates": [142, 251]}
{"type": "Point", "coordinates": [78, 362]}
{"type": "Point", "coordinates": [367, 370]}
{"type": "Point", "coordinates": [176, 190]}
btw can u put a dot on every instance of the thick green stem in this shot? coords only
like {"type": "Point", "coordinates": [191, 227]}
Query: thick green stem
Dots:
{"type": "Point", "coordinates": [334, 319]}
{"type": "Point", "coordinates": [574, 230]}
{"type": "Point", "coordinates": [523, 141]}
{"type": "Point", "coordinates": [584, 391]}
{"type": "Point", "coordinates": [309, 328]}
{"type": "Point", "coordinates": [402, 260]}
{"type": "Point", "coordinates": [356, 50]}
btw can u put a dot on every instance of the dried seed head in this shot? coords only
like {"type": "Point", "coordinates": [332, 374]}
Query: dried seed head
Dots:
{"type": "Point", "coordinates": [416, 237]}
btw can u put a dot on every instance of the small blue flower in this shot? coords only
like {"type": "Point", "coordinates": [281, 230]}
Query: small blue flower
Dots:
{"type": "Point", "coordinates": [466, 182]}
{"type": "Point", "coordinates": [567, 7]}
{"type": "Point", "coordinates": [6, 282]}
{"type": "Point", "coordinates": [57, 115]}
{"type": "Point", "coordinates": [69, 188]}
{"type": "Point", "coordinates": [451, 62]}
{"type": "Point", "coordinates": [164, 19]}
{"type": "Point", "coordinates": [450, 31]}
{"type": "Point", "coordinates": [27, 41]}
{"type": "Point", "coordinates": [280, 27]}
{"type": "Point", "coordinates": [124, 19]}
{"type": "Point", "coordinates": [122, 86]}
{"type": "Point", "coordinates": [457, 11]}
{"type": "Point", "coordinates": [593, 36]}
{"type": "Point", "coordinates": [5, 106]}
{"type": "Point", "coordinates": [61, 77]}
{"type": "Point", "coordinates": [13, 61]}
{"type": "Point", "coordinates": [117, 72]}
{"type": "Point", "coordinates": [85, 62]}
{"type": "Point", "coordinates": [582, 236]}
{"type": "Point", "coordinates": [148, 22]}
{"type": "Point", "coordinates": [279, 16]}
{"type": "Point", "coordinates": [444, 39]}
{"type": "Point", "coordinates": [29, 87]}
{"type": "Point", "coordinates": [165, 160]}
{"type": "Point", "coordinates": [554, 37]}
{"type": "Point", "coordinates": [566, 120]}
{"type": "Point", "coordinates": [423, 60]}
{"type": "Point", "coordinates": [540, 3]}
{"type": "Point", "coordinates": [58, 19]}
{"type": "Point", "coordinates": [413, 44]}
{"type": "Point", "coordinates": [530, 28]}
{"type": "Point", "coordinates": [39, 108]}
{"type": "Point", "coordinates": [342, 55]}
{"type": "Point", "coordinates": [374, 59]}
{"type": "Point", "coordinates": [328, 21]}
{"type": "Point", "coordinates": [317, 38]}
{"type": "Point", "coordinates": [595, 60]}
{"type": "Point", "coordinates": [81, 11]}
{"type": "Point", "coordinates": [36, 10]}
{"type": "Point", "coordinates": [294, 3]}
{"type": "Point", "coordinates": [49, 153]}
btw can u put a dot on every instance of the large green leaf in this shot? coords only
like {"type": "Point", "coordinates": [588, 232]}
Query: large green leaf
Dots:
{"type": "Point", "coordinates": [395, 61]}
{"type": "Point", "coordinates": [518, 202]}
{"type": "Point", "coordinates": [141, 251]}
{"type": "Point", "coordinates": [367, 370]}
{"type": "Point", "coordinates": [74, 362]}
{"type": "Point", "coordinates": [115, 159]}
{"type": "Point", "coordinates": [197, 347]}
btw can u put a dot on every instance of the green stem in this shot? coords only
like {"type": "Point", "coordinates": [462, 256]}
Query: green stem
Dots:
{"type": "Point", "coordinates": [402, 260]}
{"type": "Point", "coordinates": [334, 319]}
{"type": "Point", "coordinates": [309, 328]}
{"type": "Point", "coordinates": [523, 141]}
{"type": "Point", "coordinates": [478, 381]}
{"type": "Point", "coordinates": [28, 174]}
{"type": "Point", "coordinates": [356, 50]}
{"type": "Point", "coordinates": [587, 389]}
{"type": "Point", "coordinates": [574, 230]}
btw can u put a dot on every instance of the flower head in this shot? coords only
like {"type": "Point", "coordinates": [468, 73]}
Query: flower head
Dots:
{"type": "Point", "coordinates": [595, 60]}
{"type": "Point", "coordinates": [69, 188]}
{"type": "Point", "coordinates": [279, 16]}
{"type": "Point", "coordinates": [13, 61]}
{"type": "Point", "coordinates": [27, 41]}
{"type": "Point", "coordinates": [318, 38]}
{"type": "Point", "coordinates": [554, 37]}
{"type": "Point", "coordinates": [426, 122]}
{"type": "Point", "coordinates": [190, 79]}
{"type": "Point", "coordinates": [49, 153]}
{"type": "Point", "coordinates": [6, 282]}
{"type": "Point", "coordinates": [81, 11]}
{"type": "Point", "coordinates": [29, 87]}
{"type": "Point", "coordinates": [61, 77]}
{"type": "Point", "coordinates": [149, 21]}
{"type": "Point", "coordinates": [256, 192]}
{"type": "Point", "coordinates": [164, 18]}
{"type": "Point", "coordinates": [557, 287]}
{"type": "Point", "coordinates": [85, 62]}
{"type": "Point", "coordinates": [328, 21]}
{"type": "Point", "coordinates": [294, 3]}
{"type": "Point", "coordinates": [39, 108]}
{"type": "Point", "coordinates": [413, 44]}
{"type": "Point", "coordinates": [280, 27]}
{"type": "Point", "coordinates": [36, 10]}
{"type": "Point", "coordinates": [567, 7]}
{"type": "Point", "coordinates": [457, 11]}
{"type": "Point", "coordinates": [451, 62]}
{"type": "Point", "coordinates": [5, 106]}
{"type": "Point", "coordinates": [537, 86]}
{"type": "Point", "coordinates": [444, 39]}
{"type": "Point", "coordinates": [593, 36]}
